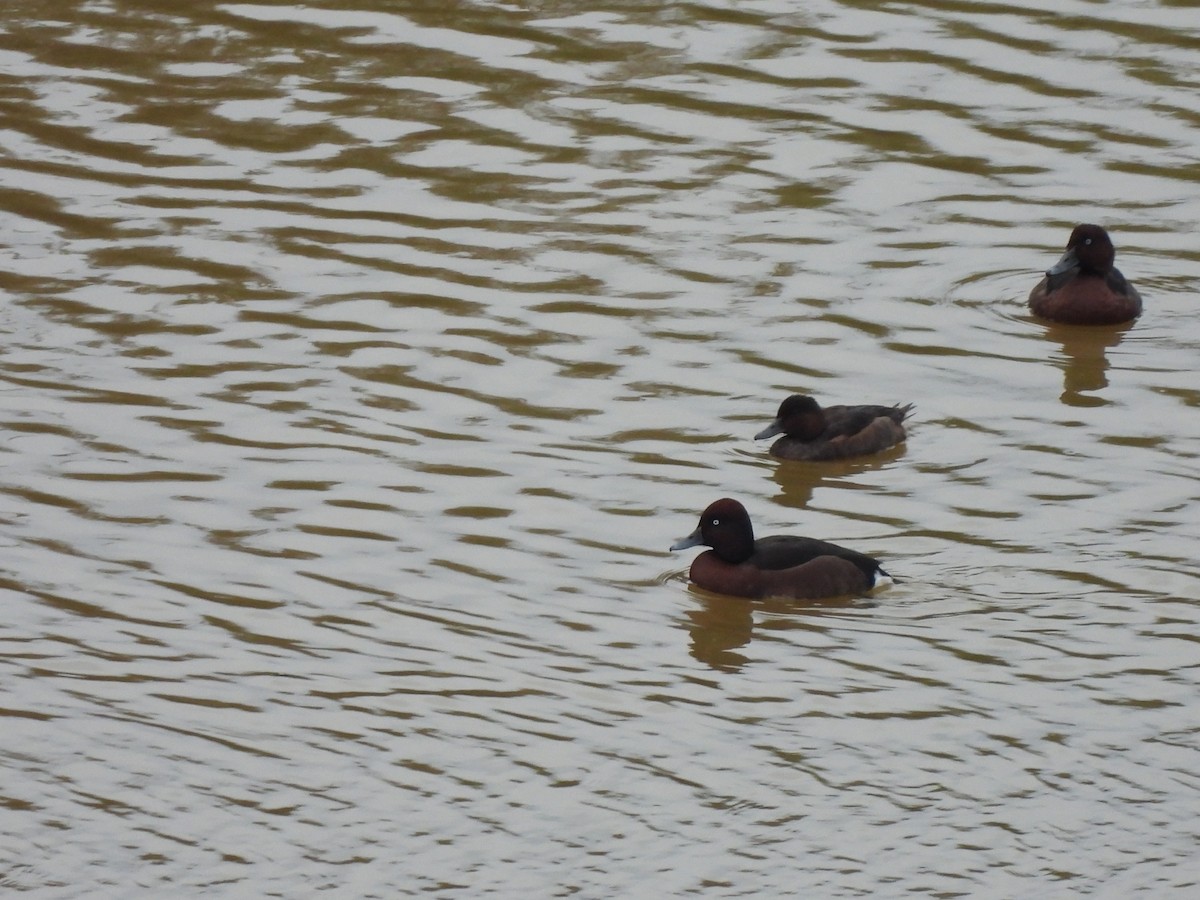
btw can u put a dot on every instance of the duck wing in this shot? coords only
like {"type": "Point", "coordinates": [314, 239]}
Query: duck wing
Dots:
{"type": "Point", "coordinates": [860, 430]}
{"type": "Point", "coordinates": [842, 421]}
{"type": "Point", "coordinates": [787, 552]}
{"type": "Point", "coordinates": [1118, 285]}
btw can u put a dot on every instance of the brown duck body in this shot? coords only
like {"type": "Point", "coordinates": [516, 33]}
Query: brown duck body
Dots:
{"type": "Point", "coordinates": [812, 432]}
{"type": "Point", "coordinates": [779, 566]}
{"type": "Point", "coordinates": [1084, 287]}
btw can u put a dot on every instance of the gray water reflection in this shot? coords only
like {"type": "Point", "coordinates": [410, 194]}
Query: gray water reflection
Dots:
{"type": "Point", "coordinates": [358, 365]}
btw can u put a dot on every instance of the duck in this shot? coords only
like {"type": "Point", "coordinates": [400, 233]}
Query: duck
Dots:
{"type": "Point", "coordinates": [813, 433]}
{"type": "Point", "coordinates": [1083, 287]}
{"type": "Point", "coordinates": [797, 568]}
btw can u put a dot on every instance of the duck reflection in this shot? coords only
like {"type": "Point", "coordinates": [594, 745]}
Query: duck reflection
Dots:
{"type": "Point", "coordinates": [1084, 360]}
{"type": "Point", "coordinates": [798, 480]}
{"type": "Point", "coordinates": [719, 626]}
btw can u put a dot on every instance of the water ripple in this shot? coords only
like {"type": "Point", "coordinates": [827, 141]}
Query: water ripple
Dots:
{"type": "Point", "coordinates": [359, 366]}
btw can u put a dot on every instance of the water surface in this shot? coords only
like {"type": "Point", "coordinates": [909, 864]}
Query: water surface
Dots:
{"type": "Point", "coordinates": [359, 362]}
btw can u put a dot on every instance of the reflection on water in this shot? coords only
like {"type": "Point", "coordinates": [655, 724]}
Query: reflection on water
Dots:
{"type": "Point", "coordinates": [718, 629]}
{"type": "Point", "coordinates": [1084, 361]}
{"type": "Point", "coordinates": [720, 626]}
{"type": "Point", "coordinates": [359, 365]}
{"type": "Point", "coordinates": [798, 481]}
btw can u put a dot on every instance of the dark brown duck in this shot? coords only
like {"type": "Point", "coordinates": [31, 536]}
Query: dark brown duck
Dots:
{"type": "Point", "coordinates": [812, 432]}
{"type": "Point", "coordinates": [778, 566]}
{"type": "Point", "coordinates": [1084, 287]}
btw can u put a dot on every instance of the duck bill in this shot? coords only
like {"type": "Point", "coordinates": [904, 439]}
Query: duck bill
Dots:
{"type": "Point", "coordinates": [695, 539]}
{"type": "Point", "coordinates": [1066, 263]}
{"type": "Point", "coordinates": [770, 431]}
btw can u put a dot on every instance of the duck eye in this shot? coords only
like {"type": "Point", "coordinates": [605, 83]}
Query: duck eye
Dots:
{"type": "Point", "coordinates": [716, 521]}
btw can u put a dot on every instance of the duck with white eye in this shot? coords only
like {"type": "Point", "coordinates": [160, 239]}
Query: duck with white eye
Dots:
{"type": "Point", "coordinates": [799, 568]}
{"type": "Point", "coordinates": [1084, 287]}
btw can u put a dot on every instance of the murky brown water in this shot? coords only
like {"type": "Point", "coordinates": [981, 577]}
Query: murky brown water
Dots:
{"type": "Point", "coordinates": [359, 363]}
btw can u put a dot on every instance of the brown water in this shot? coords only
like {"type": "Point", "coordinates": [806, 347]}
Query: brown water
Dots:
{"type": "Point", "coordinates": [359, 362]}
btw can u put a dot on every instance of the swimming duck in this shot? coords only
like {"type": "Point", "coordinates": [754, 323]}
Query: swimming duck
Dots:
{"type": "Point", "coordinates": [779, 566]}
{"type": "Point", "coordinates": [835, 432]}
{"type": "Point", "coordinates": [1083, 287]}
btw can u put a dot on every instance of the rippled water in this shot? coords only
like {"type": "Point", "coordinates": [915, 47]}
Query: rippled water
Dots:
{"type": "Point", "coordinates": [359, 362]}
